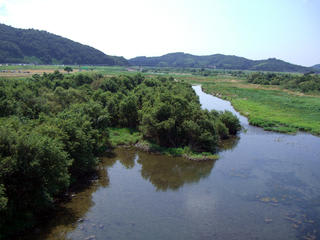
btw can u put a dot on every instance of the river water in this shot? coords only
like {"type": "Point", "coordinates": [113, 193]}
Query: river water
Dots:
{"type": "Point", "coordinates": [264, 186]}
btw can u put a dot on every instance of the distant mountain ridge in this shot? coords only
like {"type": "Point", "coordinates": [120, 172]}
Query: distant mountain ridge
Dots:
{"type": "Point", "coordinates": [317, 66]}
{"type": "Point", "coordinates": [34, 46]}
{"type": "Point", "coordinates": [40, 47]}
{"type": "Point", "coordinates": [218, 61]}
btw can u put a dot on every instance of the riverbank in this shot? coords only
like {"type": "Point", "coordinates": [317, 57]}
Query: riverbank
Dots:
{"type": "Point", "coordinates": [272, 109]}
{"type": "Point", "coordinates": [126, 137]}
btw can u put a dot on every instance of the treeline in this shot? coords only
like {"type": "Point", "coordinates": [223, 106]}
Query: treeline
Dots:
{"type": "Point", "coordinates": [53, 127]}
{"type": "Point", "coordinates": [195, 71]}
{"type": "Point", "coordinates": [308, 82]}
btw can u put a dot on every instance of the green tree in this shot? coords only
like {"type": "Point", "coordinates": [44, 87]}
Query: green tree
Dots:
{"type": "Point", "coordinates": [231, 122]}
{"type": "Point", "coordinates": [68, 69]}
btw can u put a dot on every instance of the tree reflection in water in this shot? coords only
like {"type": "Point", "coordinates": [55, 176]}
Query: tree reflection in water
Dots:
{"type": "Point", "coordinates": [164, 172]}
{"type": "Point", "coordinates": [172, 172]}
{"type": "Point", "coordinates": [67, 215]}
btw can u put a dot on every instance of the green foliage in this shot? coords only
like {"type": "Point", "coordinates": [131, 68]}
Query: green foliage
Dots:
{"type": "Point", "coordinates": [40, 47]}
{"type": "Point", "coordinates": [231, 122]}
{"type": "Point", "coordinates": [33, 170]}
{"type": "Point", "coordinates": [171, 116]}
{"type": "Point", "coordinates": [186, 151]}
{"type": "Point", "coordinates": [128, 112]}
{"type": "Point", "coordinates": [305, 83]}
{"type": "Point", "coordinates": [53, 127]}
{"type": "Point", "coordinates": [68, 69]}
{"type": "Point", "coordinates": [49, 137]}
{"type": "Point", "coordinates": [124, 136]}
{"type": "Point", "coordinates": [28, 159]}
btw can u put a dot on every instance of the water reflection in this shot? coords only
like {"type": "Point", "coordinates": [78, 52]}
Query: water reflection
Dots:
{"type": "Point", "coordinates": [127, 158]}
{"type": "Point", "coordinates": [172, 172]}
{"type": "Point", "coordinates": [229, 144]}
{"type": "Point", "coordinates": [70, 214]}
{"type": "Point", "coordinates": [165, 173]}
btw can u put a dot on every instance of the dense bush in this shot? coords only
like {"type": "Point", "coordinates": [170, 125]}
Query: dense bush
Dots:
{"type": "Point", "coordinates": [231, 122]}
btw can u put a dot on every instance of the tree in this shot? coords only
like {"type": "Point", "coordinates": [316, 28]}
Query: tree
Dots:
{"type": "Point", "coordinates": [68, 69]}
{"type": "Point", "coordinates": [231, 122]}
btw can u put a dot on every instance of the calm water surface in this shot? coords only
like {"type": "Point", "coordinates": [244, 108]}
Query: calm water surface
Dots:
{"type": "Point", "coordinates": [264, 186]}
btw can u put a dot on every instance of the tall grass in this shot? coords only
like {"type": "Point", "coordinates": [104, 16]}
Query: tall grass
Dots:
{"type": "Point", "coordinates": [274, 110]}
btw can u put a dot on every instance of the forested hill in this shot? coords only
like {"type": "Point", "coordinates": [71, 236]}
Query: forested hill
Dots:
{"type": "Point", "coordinates": [316, 66]}
{"type": "Point", "coordinates": [41, 47]}
{"type": "Point", "coordinates": [218, 61]}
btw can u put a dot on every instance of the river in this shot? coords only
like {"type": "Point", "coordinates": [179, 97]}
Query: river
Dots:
{"type": "Point", "coordinates": [265, 185]}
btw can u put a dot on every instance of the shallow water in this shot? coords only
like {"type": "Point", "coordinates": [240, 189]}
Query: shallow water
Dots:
{"type": "Point", "coordinates": [264, 186]}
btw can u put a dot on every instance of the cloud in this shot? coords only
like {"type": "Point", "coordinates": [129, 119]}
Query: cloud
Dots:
{"type": "Point", "coordinates": [3, 9]}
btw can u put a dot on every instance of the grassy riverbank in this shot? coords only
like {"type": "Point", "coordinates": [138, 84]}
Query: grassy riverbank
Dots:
{"type": "Point", "coordinates": [132, 137]}
{"type": "Point", "coordinates": [272, 108]}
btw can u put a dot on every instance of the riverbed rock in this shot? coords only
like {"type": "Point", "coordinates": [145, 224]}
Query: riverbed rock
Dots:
{"type": "Point", "coordinates": [265, 199]}
{"type": "Point", "coordinates": [295, 226]}
{"type": "Point", "coordinates": [268, 220]}
{"type": "Point", "coordinates": [92, 237]}
{"type": "Point", "coordinates": [310, 237]}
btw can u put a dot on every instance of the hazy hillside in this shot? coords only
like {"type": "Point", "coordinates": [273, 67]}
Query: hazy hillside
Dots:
{"type": "Point", "coordinates": [317, 66]}
{"type": "Point", "coordinates": [34, 46]}
{"type": "Point", "coordinates": [218, 61]}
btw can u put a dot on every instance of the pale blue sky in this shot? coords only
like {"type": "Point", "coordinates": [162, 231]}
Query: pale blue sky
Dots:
{"type": "Point", "coordinates": [255, 29]}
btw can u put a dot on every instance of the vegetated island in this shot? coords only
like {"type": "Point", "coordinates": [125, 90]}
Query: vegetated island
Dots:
{"type": "Point", "coordinates": [53, 127]}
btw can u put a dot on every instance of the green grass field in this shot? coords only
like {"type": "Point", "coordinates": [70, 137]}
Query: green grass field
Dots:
{"type": "Point", "coordinates": [272, 109]}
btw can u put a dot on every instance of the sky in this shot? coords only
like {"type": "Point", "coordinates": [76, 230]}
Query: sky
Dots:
{"type": "Point", "coordinates": [255, 29]}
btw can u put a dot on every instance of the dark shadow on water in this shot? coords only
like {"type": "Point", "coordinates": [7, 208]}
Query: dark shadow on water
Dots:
{"type": "Point", "coordinates": [164, 172]}
{"type": "Point", "coordinates": [70, 213]}
{"type": "Point", "coordinates": [171, 173]}
{"type": "Point", "coordinates": [229, 144]}
{"type": "Point", "coordinates": [125, 155]}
